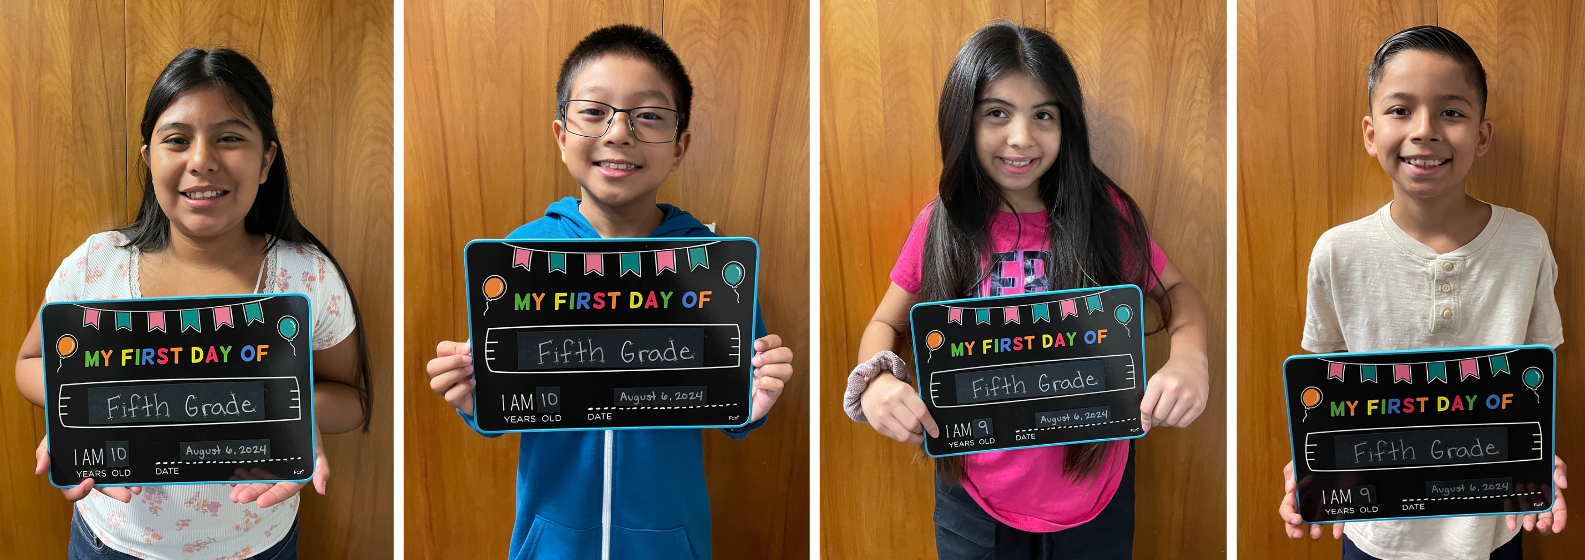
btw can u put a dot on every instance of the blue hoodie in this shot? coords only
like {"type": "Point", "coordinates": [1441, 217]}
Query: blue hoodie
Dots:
{"type": "Point", "coordinates": [646, 486]}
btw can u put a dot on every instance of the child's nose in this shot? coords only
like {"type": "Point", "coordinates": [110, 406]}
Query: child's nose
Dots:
{"type": "Point", "coordinates": [1425, 129]}
{"type": "Point", "coordinates": [201, 159]}
{"type": "Point", "coordinates": [1018, 133]}
{"type": "Point", "coordinates": [621, 130]}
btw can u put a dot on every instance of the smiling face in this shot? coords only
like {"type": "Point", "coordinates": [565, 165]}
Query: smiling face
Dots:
{"type": "Point", "coordinates": [1017, 131]}
{"type": "Point", "coordinates": [207, 159]}
{"type": "Point", "coordinates": [616, 169]}
{"type": "Point", "coordinates": [1425, 127]}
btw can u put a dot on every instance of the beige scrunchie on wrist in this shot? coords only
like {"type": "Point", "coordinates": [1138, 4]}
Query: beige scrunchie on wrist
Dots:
{"type": "Point", "coordinates": [860, 379]}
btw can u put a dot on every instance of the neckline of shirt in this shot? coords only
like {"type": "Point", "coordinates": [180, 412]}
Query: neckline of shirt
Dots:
{"type": "Point", "coordinates": [1420, 250]}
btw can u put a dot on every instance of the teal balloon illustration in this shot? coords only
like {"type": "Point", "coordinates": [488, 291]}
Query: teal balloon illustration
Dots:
{"type": "Point", "coordinates": [1124, 314]}
{"type": "Point", "coordinates": [732, 273]}
{"type": "Point", "coordinates": [1532, 379]}
{"type": "Point", "coordinates": [288, 329]}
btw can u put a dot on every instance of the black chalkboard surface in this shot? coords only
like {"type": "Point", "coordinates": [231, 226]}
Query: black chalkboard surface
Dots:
{"type": "Point", "coordinates": [1030, 370]}
{"type": "Point", "coordinates": [179, 390]}
{"type": "Point", "coordinates": [612, 333]}
{"type": "Point", "coordinates": [1429, 433]}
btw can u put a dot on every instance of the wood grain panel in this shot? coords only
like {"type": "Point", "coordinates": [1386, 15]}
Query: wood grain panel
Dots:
{"type": "Point", "coordinates": [330, 67]}
{"type": "Point", "coordinates": [1303, 169]}
{"type": "Point", "coordinates": [1154, 82]}
{"type": "Point", "coordinates": [480, 160]}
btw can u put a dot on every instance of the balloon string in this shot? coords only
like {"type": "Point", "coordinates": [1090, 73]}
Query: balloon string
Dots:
{"type": "Point", "coordinates": [739, 296]}
{"type": "Point", "coordinates": [1306, 415]}
{"type": "Point", "coordinates": [486, 307]}
{"type": "Point", "coordinates": [293, 344]}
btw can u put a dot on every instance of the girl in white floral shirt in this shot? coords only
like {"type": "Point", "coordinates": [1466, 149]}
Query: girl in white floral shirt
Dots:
{"type": "Point", "coordinates": [216, 218]}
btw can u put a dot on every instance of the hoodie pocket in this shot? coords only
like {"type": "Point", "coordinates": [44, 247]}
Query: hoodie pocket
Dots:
{"type": "Point", "coordinates": [549, 540]}
{"type": "Point", "coordinates": [659, 544]}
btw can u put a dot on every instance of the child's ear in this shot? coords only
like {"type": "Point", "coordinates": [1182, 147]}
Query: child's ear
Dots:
{"type": "Point", "coordinates": [1484, 142]}
{"type": "Point", "coordinates": [1370, 136]}
{"type": "Point", "coordinates": [560, 134]}
{"type": "Point", "coordinates": [269, 159]}
{"type": "Point", "coordinates": [143, 152]}
{"type": "Point", "coordinates": [681, 149]}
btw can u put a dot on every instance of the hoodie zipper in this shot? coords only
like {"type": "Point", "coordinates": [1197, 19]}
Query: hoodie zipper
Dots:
{"type": "Point", "coordinates": [605, 503]}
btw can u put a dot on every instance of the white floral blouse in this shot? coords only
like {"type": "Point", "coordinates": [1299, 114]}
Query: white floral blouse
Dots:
{"type": "Point", "coordinates": [197, 521]}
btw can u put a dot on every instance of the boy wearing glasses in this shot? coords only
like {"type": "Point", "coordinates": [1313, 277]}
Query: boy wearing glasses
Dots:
{"type": "Point", "coordinates": [622, 127]}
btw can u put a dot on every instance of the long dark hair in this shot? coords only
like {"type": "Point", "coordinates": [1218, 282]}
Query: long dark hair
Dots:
{"type": "Point", "coordinates": [1090, 239]}
{"type": "Point", "coordinates": [236, 77]}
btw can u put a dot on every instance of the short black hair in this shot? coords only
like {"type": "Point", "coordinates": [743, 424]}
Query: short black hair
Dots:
{"type": "Point", "coordinates": [639, 43]}
{"type": "Point", "coordinates": [1434, 40]}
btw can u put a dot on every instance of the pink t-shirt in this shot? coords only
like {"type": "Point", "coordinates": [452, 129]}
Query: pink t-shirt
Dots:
{"type": "Point", "coordinates": [1025, 488]}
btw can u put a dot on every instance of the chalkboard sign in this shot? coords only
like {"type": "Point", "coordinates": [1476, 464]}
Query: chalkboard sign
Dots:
{"type": "Point", "coordinates": [1030, 370]}
{"type": "Point", "coordinates": [1434, 433]}
{"type": "Point", "coordinates": [612, 333]}
{"type": "Point", "coordinates": [179, 390]}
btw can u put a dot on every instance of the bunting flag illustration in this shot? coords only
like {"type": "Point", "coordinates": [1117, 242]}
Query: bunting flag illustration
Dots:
{"type": "Point", "coordinates": [1069, 307]}
{"type": "Point", "coordinates": [629, 263]}
{"type": "Point", "coordinates": [522, 258]}
{"type": "Point", "coordinates": [594, 263]}
{"type": "Point", "coordinates": [1438, 371]}
{"type": "Point", "coordinates": [1435, 371]}
{"type": "Point", "coordinates": [955, 315]}
{"type": "Point", "coordinates": [1093, 304]}
{"type": "Point", "coordinates": [1468, 369]}
{"type": "Point", "coordinates": [697, 257]}
{"type": "Point", "coordinates": [1367, 373]}
{"type": "Point", "coordinates": [558, 262]}
{"type": "Point", "coordinates": [91, 318]}
{"type": "Point", "coordinates": [665, 260]}
{"type": "Point", "coordinates": [156, 321]}
{"type": "Point", "coordinates": [1334, 371]}
{"type": "Point", "coordinates": [223, 317]}
{"type": "Point", "coordinates": [251, 313]}
{"type": "Point", "coordinates": [123, 321]}
{"type": "Point", "coordinates": [982, 316]}
{"type": "Point", "coordinates": [1009, 315]}
{"type": "Point", "coordinates": [190, 320]}
{"type": "Point", "coordinates": [1499, 364]}
{"type": "Point", "coordinates": [1040, 311]}
{"type": "Point", "coordinates": [1400, 374]}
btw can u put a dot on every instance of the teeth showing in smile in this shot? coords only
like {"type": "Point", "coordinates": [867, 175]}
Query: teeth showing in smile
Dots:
{"type": "Point", "coordinates": [1024, 163]}
{"type": "Point", "coordinates": [1425, 162]}
{"type": "Point", "coordinates": [617, 166]}
{"type": "Point", "coordinates": [203, 195]}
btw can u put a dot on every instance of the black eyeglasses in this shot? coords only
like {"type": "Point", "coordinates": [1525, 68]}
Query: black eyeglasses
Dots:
{"type": "Point", "coordinates": [592, 119]}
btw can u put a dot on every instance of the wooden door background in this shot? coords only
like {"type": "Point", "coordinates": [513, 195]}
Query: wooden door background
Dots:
{"type": "Point", "coordinates": [1303, 169]}
{"type": "Point", "coordinates": [1153, 74]}
{"type": "Point", "coordinates": [74, 75]}
{"type": "Point", "coordinates": [481, 160]}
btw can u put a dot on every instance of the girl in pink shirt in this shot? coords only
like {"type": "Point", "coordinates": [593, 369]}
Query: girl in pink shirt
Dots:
{"type": "Point", "coordinates": [1022, 208]}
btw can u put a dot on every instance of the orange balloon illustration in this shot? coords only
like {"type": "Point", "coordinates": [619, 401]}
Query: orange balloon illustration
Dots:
{"type": "Point", "coordinates": [66, 345]}
{"type": "Point", "coordinates": [494, 287]}
{"type": "Point", "coordinates": [1311, 397]}
{"type": "Point", "coordinates": [934, 339]}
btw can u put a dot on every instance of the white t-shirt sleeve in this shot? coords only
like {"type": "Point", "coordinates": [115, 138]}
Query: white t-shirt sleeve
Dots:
{"type": "Point", "coordinates": [1546, 322]}
{"type": "Point", "coordinates": [333, 317]}
{"type": "Point", "coordinates": [1322, 330]}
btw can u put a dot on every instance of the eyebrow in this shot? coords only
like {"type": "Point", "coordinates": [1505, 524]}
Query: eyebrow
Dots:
{"type": "Point", "coordinates": [1407, 97]}
{"type": "Point", "coordinates": [646, 93]}
{"type": "Point", "coordinates": [221, 124]}
{"type": "Point", "coordinates": [991, 100]}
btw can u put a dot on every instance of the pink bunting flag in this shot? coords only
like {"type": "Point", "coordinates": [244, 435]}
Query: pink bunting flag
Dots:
{"type": "Point", "coordinates": [665, 260]}
{"type": "Point", "coordinates": [520, 257]}
{"type": "Point", "coordinates": [954, 315]}
{"type": "Point", "coordinates": [1400, 372]}
{"type": "Point", "coordinates": [223, 316]}
{"type": "Point", "coordinates": [156, 321]}
{"type": "Point", "coordinates": [1069, 307]}
{"type": "Point", "coordinates": [1468, 369]}
{"type": "Point", "coordinates": [1334, 371]}
{"type": "Point", "coordinates": [1009, 315]}
{"type": "Point", "coordinates": [91, 317]}
{"type": "Point", "coordinates": [593, 262]}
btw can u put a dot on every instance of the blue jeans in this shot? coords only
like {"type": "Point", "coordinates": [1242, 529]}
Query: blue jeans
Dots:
{"type": "Point", "coordinates": [965, 532]}
{"type": "Point", "coordinates": [85, 546]}
{"type": "Point", "coordinates": [1513, 550]}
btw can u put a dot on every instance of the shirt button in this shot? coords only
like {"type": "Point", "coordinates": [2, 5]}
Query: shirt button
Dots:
{"type": "Point", "coordinates": [1447, 313]}
{"type": "Point", "coordinates": [1447, 266]}
{"type": "Point", "coordinates": [1447, 288]}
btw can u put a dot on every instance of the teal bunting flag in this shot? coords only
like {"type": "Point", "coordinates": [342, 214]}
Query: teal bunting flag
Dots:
{"type": "Point", "coordinates": [1499, 364]}
{"type": "Point", "coordinates": [251, 312]}
{"type": "Point", "coordinates": [982, 316]}
{"type": "Point", "coordinates": [1041, 311]}
{"type": "Point", "coordinates": [124, 321]}
{"type": "Point", "coordinates": [1093, 303]}
{"type": "Point", "coordinates": [630, 262]}
{"type": "Point", "coordinates": [697, 257]}
{"type": "Point", "coordinates": [190, 319]}
{"type": "Point", "coordinates": [1435, 371]}
{"type": "Point", "coordinates": [558, 262]}
{"type": "Point", "coordinates": [1367, 373]}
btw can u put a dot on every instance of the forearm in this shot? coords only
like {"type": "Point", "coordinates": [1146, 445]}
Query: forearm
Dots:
{"type": "Point", "coordinates": [30, 380]}
{"type": "Point", "coordinates": [337, 408]}
{"type": "Point", "coordinates": [1186, 329]}
{"type": "Point", "coordinates": [878, 336]}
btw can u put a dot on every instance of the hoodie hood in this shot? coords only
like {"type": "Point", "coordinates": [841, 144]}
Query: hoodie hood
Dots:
{"type": "Point", "coordinates": [563, 221]}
